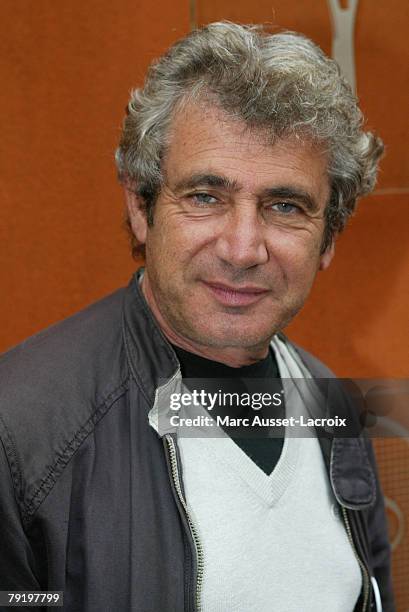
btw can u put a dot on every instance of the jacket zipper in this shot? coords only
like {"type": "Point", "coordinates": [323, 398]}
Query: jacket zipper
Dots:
{"type": "Point", "coordinates": [198, 546]}
{"type": "Point", "coordinates": [364, 570]}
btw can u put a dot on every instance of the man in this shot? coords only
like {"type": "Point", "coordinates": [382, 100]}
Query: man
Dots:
{"type": "Point", "coordinates": [242, 158]}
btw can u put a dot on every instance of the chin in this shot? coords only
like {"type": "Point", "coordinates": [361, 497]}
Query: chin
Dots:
{"type": "Point", "coordinates": [233, 338]}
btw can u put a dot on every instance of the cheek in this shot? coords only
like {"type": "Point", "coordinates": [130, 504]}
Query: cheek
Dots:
{"type": "Point", "coordinates": [167, 253]}
{"type": "Point", "coordinates": [295, 250]}
{"type": "Point", "coordinates": [188, 240]}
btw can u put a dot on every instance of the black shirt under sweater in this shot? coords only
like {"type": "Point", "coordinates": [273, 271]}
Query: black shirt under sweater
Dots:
{"type": "Point", "coordinates": [264, 451]}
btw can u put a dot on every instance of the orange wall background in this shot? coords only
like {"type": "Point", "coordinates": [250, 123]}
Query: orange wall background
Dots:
{"type": "Point", "coordinates": [66, 71]}
{"type": "Point", "coordinates": [67, 68]}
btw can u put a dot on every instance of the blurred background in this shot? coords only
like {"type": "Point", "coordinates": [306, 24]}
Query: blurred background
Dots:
{"type": "Point", "coordinates": [66, 71]}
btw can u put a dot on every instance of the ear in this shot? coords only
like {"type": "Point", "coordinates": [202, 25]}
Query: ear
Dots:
{"type": "Point", "coordinates": [327, 256]}
{"type": "Point", "coordinates": [137, 214]}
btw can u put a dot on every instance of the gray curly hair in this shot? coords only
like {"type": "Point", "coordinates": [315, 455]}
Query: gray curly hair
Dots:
{"type": "Point", "coordinates": [281, 83]}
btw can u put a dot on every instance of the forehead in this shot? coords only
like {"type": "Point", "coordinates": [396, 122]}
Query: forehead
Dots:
{"type": "Point", "coordinates": [205, 140]}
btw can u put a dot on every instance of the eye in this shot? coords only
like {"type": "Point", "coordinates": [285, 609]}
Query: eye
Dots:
{"type": "Point", "coordinates": [203, 198]}
{"type": "Point", "coordinates": [285, 207]}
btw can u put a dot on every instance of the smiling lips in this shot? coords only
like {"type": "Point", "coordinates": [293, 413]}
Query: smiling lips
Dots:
{"type": "Point", "coordinates": [235, 296]}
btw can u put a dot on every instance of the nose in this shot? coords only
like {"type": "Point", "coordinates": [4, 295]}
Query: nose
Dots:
{"type": "Point", "coordinates": [241, 241]}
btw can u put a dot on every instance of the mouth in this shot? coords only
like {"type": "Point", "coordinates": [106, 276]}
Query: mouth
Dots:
{"type": "Point", "coordinates": [235, 296]}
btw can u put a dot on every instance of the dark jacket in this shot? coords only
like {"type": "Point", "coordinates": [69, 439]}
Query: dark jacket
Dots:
{"type": "Point", "coordinates": [90, 498]}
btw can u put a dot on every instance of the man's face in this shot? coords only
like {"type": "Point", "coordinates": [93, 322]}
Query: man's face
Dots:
{"type": "Point", "coordinates": [238, 226]}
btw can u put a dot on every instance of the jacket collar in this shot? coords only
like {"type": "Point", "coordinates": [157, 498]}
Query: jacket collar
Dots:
{"type": "Point", "coordinates": [350, 470]}
{"type": "Point", "coordinates": [150, 356]}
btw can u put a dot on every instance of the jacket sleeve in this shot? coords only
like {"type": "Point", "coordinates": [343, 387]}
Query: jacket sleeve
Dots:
{"type": "Point", "coordinates": [16, 556]}
{"type": "Point", "coordinates": [379, 542]}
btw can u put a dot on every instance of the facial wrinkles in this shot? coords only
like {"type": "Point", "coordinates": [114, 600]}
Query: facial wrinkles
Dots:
{"type": "Point", "coordinates": [231, 134]}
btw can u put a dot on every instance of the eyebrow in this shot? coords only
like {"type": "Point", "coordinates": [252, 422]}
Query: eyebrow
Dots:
{"type": "Point", "coordinates": [207, 180]}
{"type": "Point", "coordinates": [215, 180]}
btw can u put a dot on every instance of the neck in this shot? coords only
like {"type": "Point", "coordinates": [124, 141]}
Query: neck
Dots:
{"type": "Point", "coordinates": [230, 356]}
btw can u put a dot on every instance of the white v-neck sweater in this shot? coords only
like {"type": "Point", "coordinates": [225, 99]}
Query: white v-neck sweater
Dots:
{"type": "Point", "coordinates": [271, 543]}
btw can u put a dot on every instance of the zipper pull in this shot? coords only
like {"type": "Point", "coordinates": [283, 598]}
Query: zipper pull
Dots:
{"type": "Point", "coordinates": [377, 595]}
